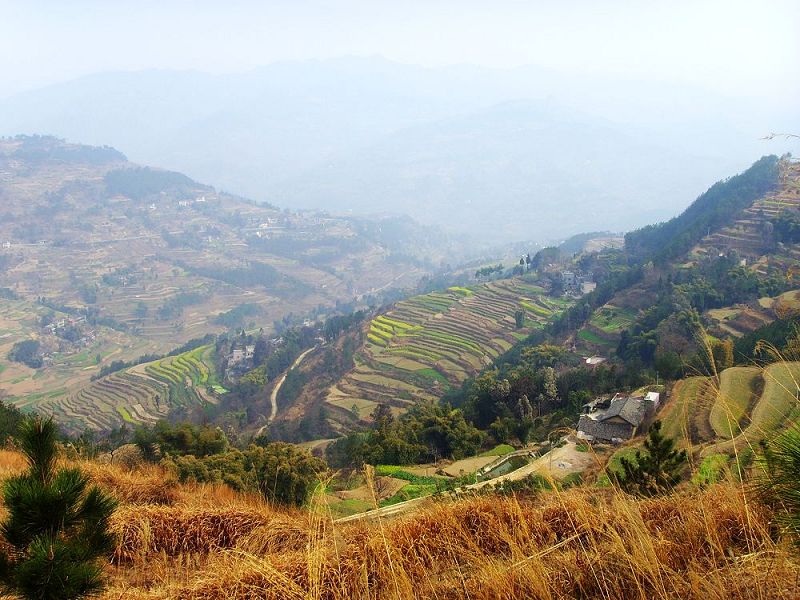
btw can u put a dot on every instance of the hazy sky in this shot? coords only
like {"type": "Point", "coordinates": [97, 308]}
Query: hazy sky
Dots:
{"type": "Point", "coordinates": [727, 45]}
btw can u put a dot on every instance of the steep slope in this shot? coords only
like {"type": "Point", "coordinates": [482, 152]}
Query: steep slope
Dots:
{"type": "Point", "coordinates": [424, 346]}
{"type": "Point", "coordinates": [723, 256]}
{"type": "Point", "coordinates": [103, 260]}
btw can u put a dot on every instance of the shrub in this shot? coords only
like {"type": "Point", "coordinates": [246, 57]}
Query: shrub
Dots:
{"type": "Point", "coordinates": [779, 481]}
{"type": "Point", "coordinates": [655, 471]}
{"type": "Point", "coordinates": [57, 526]}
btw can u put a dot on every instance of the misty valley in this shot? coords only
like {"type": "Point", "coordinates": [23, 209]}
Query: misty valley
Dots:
{"type": "Point", "coordinates": [374, 301]}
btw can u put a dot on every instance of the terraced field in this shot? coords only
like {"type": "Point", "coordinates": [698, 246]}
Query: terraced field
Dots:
{"type": "Point", "coordinates": [430, 343]}
{"type": "Point", "coordinates": [139, 395]}
{"type": "Point", "coordinates": [748, 405]}
{"type": "Point", "coordinates": [745, 234]}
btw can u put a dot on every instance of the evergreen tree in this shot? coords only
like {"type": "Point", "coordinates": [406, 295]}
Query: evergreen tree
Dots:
{"type": "Point", "coordinates": [57, 526]}
{"type": "Point", "coordinates": [655, 471]}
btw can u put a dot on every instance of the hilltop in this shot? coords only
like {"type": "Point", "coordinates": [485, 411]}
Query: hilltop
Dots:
{"type": "Point", "coordinates": [103, 260]}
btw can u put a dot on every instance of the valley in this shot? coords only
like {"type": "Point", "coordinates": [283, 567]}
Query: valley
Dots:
{"type": "Point", "coordinates": [102, 260]}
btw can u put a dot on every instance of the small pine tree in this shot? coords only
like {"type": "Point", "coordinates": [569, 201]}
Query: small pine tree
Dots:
{"type": "Point", "coordinates": [57, 526]}
{"type": "Point", "coordinates": [655, 471]}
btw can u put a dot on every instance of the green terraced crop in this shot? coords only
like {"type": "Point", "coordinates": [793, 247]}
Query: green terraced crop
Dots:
{"type": "Point", "coordinates": [433, 374]}
{"type": "Point", "coordinates": [387, 335]}
{"type": "Point", "coordinates": [378, 324]}
{"type": "Point", "coordinates": [394, 322]}
{"type": "Point", "coordinates": [415, 352]}
{"type": "Point", "coordinates": [376, 340]}
{"type": "Point", "coordinates": [461, 290]}
{"type": "Point", "coordinates": [126, 416]}
{"type": "Point", "coordinates": [454, 339]}
{"type": "Point", "coordinates": [536, 309]}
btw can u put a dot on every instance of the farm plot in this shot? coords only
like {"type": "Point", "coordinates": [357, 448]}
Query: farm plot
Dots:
{"type": "Point", "coordinates": [776, 407]}
{"type": "Point", "coordinates": [738, 391]}
{"type": "Point", "coordinates": [686, 416]}
{"type": "Point", "coordinates": [427, 344]}
{"type": "Point", "coordinates": [139, 395]}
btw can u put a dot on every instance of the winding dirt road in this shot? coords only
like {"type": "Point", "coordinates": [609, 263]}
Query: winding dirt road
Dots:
{"type": "Point", "coordinates": [273, 397]}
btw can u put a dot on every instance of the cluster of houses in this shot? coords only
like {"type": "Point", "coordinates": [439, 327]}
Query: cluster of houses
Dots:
{"type": "Point", "coordinates": [62, 324]}
{"type": "Point", "coordinates": [241, 356]}
{"type": "Point", "coordinates": [617, 419]}
{"type": "Point", "coordinates": [577, 283]}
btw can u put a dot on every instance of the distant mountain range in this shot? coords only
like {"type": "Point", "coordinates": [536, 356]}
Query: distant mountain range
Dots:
{"type": "Point", "coordinates": [504, 154]}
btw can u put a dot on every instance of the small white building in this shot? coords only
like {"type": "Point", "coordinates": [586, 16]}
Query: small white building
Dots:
{"type": "Point", "coordinates": [654, 398]}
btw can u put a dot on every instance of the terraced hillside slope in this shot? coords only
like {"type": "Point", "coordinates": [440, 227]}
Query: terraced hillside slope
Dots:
{"type": "Point", "coordinates": [750, 239]}
{"type": "Point", "coordinates": [139, 395]}
{"type": "Point", "coordinates": [750, 232]}
{"type": "Point", "coordinates": [103, 260]}
{"type": "Point", "coordinates": [427, 344]}
{"type": "Point", "coordinates": [748, 404]}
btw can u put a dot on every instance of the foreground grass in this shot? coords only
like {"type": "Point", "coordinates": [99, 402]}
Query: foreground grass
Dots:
{"type": "Point", "coordinates": [709, 544]}
{"type": "Point", "coordinates": [208, 542]}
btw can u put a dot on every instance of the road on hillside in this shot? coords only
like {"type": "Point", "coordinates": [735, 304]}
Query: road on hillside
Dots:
{"type": "Point", "coordinates": [273, 397]}
{"type": "Point", "coordinates": [558, 462]}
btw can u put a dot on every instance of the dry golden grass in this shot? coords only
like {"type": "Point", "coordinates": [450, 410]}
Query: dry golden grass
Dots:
{"type": "Point", "coordinates": [146, 484]}
{"type": "Point", "coordinates": [11, 463]}
{"type": "Point", "coordinates": [585, 543]}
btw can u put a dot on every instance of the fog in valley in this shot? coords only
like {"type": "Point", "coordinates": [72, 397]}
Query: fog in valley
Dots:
{"type": "Point", "coordinates": [502, 122]}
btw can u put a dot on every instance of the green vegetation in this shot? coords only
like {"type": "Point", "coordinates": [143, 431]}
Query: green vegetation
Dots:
{"type": "Point", "coordinates": [236, 316]}
{"type": "Point", "coordinates": [712, 209]}
{"type": "Point", "coordinates": [57, 525]}
{"type": "Point", "coordinates": [282, 473]}
{"type": "Point", "coordinates": [656, 470]}
{"type": "Point", "coordinates": [711, 470]}
{"type": "Point", "coordinates": [499, 450]}
{"type": "Point", "coordinates": [427, 432]}
{"type": "Point", "coordinates": [460, 290]}
{"type": "Point", "coordinates": [139, 183]}
{"type": "Point", "coordinates": [27, 353]}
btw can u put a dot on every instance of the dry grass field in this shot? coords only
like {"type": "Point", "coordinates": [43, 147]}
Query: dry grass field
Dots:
{"type": "Point", "coordinates": [207, 542]}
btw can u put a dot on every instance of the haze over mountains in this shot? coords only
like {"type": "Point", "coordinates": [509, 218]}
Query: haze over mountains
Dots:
{"type": "Point", "coordinates": [460, 147]}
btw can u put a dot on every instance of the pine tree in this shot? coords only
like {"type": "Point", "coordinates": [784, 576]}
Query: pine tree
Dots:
{"type": "Point", "coordinates": [57, 526]}
{"type": "Point", "coordinates": [655, 471]}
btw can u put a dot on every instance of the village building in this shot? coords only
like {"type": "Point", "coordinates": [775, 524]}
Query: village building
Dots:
{"type": "Point", "coordinates": [617, 419]}
{"type": "Point", "coordinates": [593, 361]}
{"type": "Point", "coordinates": [236, 356]}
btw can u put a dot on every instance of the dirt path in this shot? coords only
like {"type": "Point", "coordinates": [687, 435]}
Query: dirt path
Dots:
{"type": "Point", "coordinates": [557, 463]}
{"type": "Point", "coordinates": [273, 397]}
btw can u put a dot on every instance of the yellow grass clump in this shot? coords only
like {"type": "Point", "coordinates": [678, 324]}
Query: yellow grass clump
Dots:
{"type": "Point", "coordinates": [175, 530]}
{"type": "Point", "coordinates": [146, 484]}
{"type": "Point", "coordinates": [582, 543]}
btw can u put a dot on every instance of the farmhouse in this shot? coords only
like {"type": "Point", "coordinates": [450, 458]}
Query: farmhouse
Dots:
{"type": "Point", "coordinates": [617, 419]}
{"type": "Point", "coordinates": [236, 356]}
{"type": "Point", "coordinates": [593, 361]}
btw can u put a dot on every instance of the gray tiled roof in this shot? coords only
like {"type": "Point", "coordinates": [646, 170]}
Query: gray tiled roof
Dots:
{"type": "Point", "coordinates": [630, 409]}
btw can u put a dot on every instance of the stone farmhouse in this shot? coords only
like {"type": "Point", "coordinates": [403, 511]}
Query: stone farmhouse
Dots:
{"type": "Point", "coordinates": [617, 419]}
